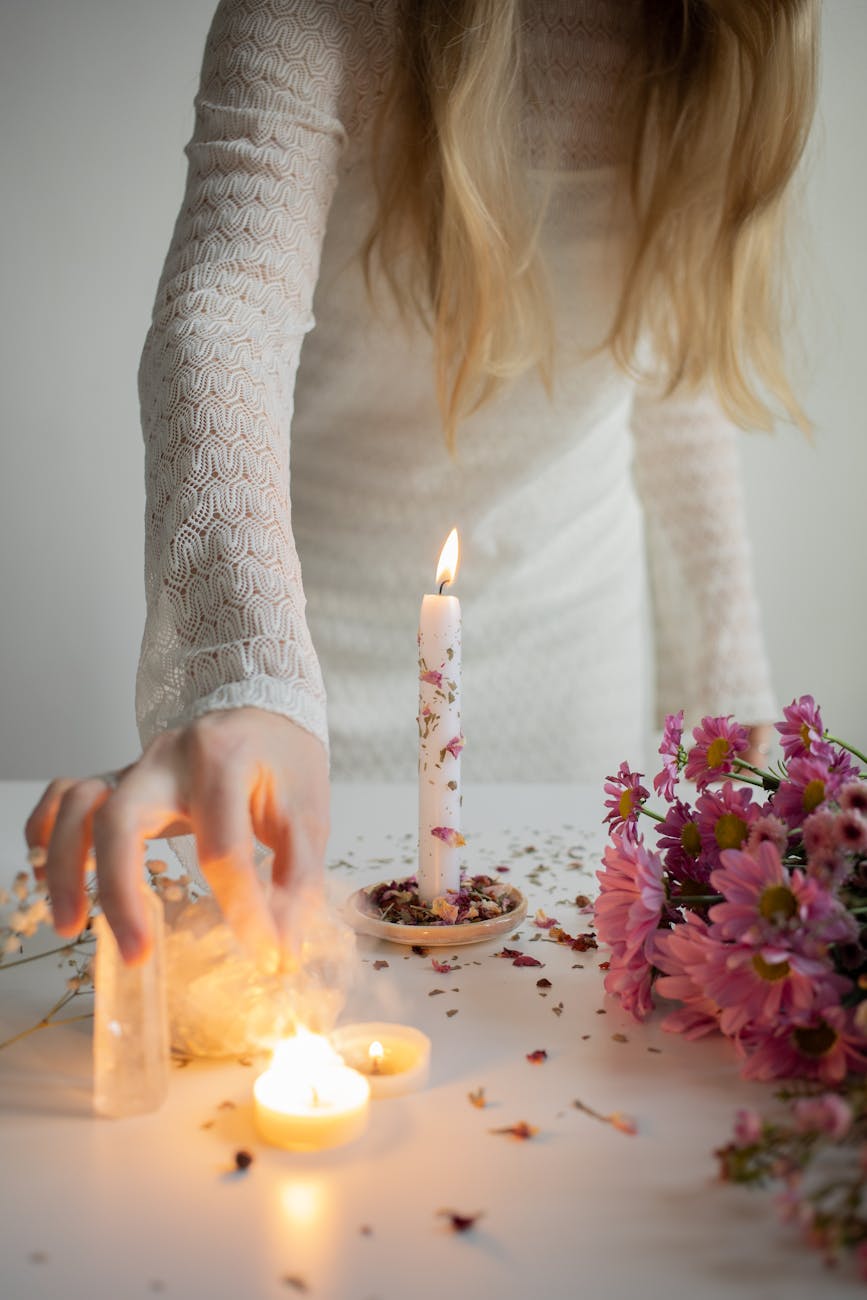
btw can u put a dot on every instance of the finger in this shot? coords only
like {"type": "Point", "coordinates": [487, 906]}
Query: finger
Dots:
{"type": "Point", "coordinates": [40, 823]}
{"type": "Point", "coordinates": [224, 836]}
{"type": "Point", "coordinates": [68, 848]}
{"type": "Point", "coordinates": [146, 799]}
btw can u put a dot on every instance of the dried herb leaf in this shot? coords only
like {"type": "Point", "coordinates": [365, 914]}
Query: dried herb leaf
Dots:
{"type": "Point", "coordinates": [477, 1098]}
{"type": "Point", "coordinates": [522, 1131]}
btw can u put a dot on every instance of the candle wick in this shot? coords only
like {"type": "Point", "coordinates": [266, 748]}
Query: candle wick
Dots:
{"type": "Point", "coordinates": [375, 1065]}
{"type": "Point", "coordinates": [315, 1096]}
{"type": "Point", "coordinates": [442, 584]}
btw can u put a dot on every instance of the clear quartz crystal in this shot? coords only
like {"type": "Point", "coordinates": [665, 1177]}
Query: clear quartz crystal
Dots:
{"type": "Point", "coordinates": [130, 1032]}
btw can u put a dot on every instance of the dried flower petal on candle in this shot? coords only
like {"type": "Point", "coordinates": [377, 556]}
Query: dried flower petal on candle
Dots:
{"type": "Point", "coordinates": [454, 747]}
{"type": "Point", "coordinates": [432, 676]}
{"type": "Point", "coordinates": [460, 1222]}
{"type": "Point", "coordinates": [448, 835]}
{"type": "Point", "coordinates": [522, 1131]}
{"type": "Point", "coordinates": [537, 1057]}
{"type": "Point", "coordinates": [477, 1098]}
{"type": "Point", "coordinates": [441, 967]}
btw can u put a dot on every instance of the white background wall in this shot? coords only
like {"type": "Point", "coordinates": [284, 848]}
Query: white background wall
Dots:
{"type": "Point", "coordinates": [96, 105]}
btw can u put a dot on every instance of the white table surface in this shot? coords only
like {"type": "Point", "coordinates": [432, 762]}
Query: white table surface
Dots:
{"type": "Point", "coordinates": [119, 1209]}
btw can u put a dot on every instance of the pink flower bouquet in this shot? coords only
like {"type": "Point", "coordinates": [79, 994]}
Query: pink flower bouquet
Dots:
{"type": "Point", "coordinates": [741, 908]}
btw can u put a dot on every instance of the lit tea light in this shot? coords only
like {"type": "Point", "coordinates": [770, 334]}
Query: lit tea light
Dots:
{"type": "Point", "coordinates": [309, 1099]}
{"type": "Point", "coordinates": [393, 1058]}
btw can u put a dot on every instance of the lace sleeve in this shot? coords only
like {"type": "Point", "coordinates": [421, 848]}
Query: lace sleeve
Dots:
{"type": "Point", "coordinates": [710, 654]}
{"type": "Point", "coordinates": [225, 605]}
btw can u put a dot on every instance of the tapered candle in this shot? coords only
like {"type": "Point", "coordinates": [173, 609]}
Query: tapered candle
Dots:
{"type": "Point", "coordinates": [440, 736]}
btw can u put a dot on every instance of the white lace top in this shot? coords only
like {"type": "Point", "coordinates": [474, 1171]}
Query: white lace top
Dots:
{"type": "Point", "coordinates": [547, 493]}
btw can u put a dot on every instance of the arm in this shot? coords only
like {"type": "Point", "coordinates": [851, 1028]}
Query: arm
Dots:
{"type": "Point", "coordinates": [225, 604]}
{"type": "Point", "coordinates": [710, 654]}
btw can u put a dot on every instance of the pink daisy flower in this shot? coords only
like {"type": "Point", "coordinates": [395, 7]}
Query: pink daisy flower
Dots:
{"type": "Point", "coordinates": [680, 839]}
{"type": "Point", "coordinates": [852, 797]}
{"type": "Point", "coordinates": [809, 783]}
{"type": "Point", "coordinates": [768, 829]}
{"type": "Point", "coordinates": [766, 904]}
{"type": "Point", "coordinates": [631, 900]}
{"type": "Point", "coordinates": [671, 751]}
{"type": "Point", "coordinates": [626, 797]}
{"type": "Point", "coordinates": [826, 1048]}
{"type": "Point", "coordinates": [678, 953]}
{"type": "Point", "coordinates": [630, 979]}
{"type": "Point", "coordinates": [724, 819]}
{"type": "Point", "coordinates": [802, 729]}
{"type": "Point", "coordinates": [756, 987]}
{"type": "Point", "coordinates": [718, 743]}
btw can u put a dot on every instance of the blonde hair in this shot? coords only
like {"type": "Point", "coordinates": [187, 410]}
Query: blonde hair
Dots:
{"type": "Point", "coordinates": [717, 104]}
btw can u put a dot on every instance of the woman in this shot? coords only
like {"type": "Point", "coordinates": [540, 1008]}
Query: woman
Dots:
{"type": "Point", "coordinates": [553, 195]}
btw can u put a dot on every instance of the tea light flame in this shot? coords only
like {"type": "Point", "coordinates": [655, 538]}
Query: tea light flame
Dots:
{"type": "Point", "coordinates": [376, 1052]}
{"type": "Point", "coordinates": [448, 562]}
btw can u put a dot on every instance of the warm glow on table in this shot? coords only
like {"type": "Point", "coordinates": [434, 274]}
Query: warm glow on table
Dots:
{"type": "Point", "coordinates": [309, 1100]}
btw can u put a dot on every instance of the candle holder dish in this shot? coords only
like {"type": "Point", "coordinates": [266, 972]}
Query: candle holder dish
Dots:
{"type": "Point", "coordinates": [394, 911]}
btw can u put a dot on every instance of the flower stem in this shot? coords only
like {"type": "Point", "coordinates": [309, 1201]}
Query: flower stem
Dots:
{"type": "Point", "coordinates": [37, 956]}
{"type": "Point", "coordinates": [648, 812]}
{"type": "Point", "coordinates": [750, 780]}
{"type": "Point", "coordinates": [44, 1022]}
{"type": "Point", "coordinates": [843, 745]}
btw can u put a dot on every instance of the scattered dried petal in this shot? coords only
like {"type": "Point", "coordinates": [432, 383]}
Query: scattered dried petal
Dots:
{"type": "Point", "coordinates": [619, 1038]}
{"type": "Point", "coordinates": [617, 1119]}
{"type": "Point", "coordinates": [477, 1098]}
{"type": "Point", "coordinates": [435, 992]}
{"type": "Point", "coordinates": [441, 967]}
{"type": "Point", "coordinates": [522, 1130]}
{"type": "Point", "coordinates": [537, 1057]}
{"type": "Point", "coordinates": [452, 1012]}
{"type": "Point", "coordinates": [243, 1160]}
{"type": "Point", "coordinates": [295, 1283]}
{"type": "Point", "coordinates": [381, 964]}
{"type": "Point", "coordinates": [542, 921]}
{"type": "Point", "coordinates": [524, 960]}
{"type": "Point", "coordinates": [365, 1230]}
{"type": "Point", "coordinates": [460, 1222]}
{"type": "Point", "coordinates": [543, 983]}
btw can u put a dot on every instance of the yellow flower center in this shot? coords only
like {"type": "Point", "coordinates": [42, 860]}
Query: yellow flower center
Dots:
{"type": "Point", "coordinates": [805, 734]}
{"type": "Point", "coordinates": [730, 831]}
{"type": "Point", "coordinates": [770, 970]}
{"type": "Point", "coordinates": [717, 752]}
{"type": "Point", "coordinates": [817, 1041]}
{"type": "Point", "coordinates": [626, 804]}
{"type": "Point", "coordinates": [777, 903]}
{"type": "Point", "coordinates": [690, 840]}
{"type": "Point", "coordinates": [814, 794]}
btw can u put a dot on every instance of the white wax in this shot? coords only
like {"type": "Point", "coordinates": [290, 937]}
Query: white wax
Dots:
{"type": "Point", "coordinates": [402, 1066]}
{"type": "Point", "coordinates": [309, 1100]}
{"type": "Point", "coordinates": [439, 767]}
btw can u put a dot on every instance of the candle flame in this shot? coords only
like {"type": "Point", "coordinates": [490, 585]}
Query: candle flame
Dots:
{"type": "Point", "coordinates": [376, 1051]}
{"type": "Point", "coordinates": [448, 563]}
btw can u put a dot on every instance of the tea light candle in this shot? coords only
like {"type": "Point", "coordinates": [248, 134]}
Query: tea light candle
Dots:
{"type": "Point", "coordinates": [393, 1058]}
{"type": "Point", "coordinates": [309, 1100]}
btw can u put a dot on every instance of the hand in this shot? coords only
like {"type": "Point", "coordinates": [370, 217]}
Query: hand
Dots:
{"type": "Point", "coordinates": [761, 736]}
{"type": "Point", "coordinates": [228, 777]}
